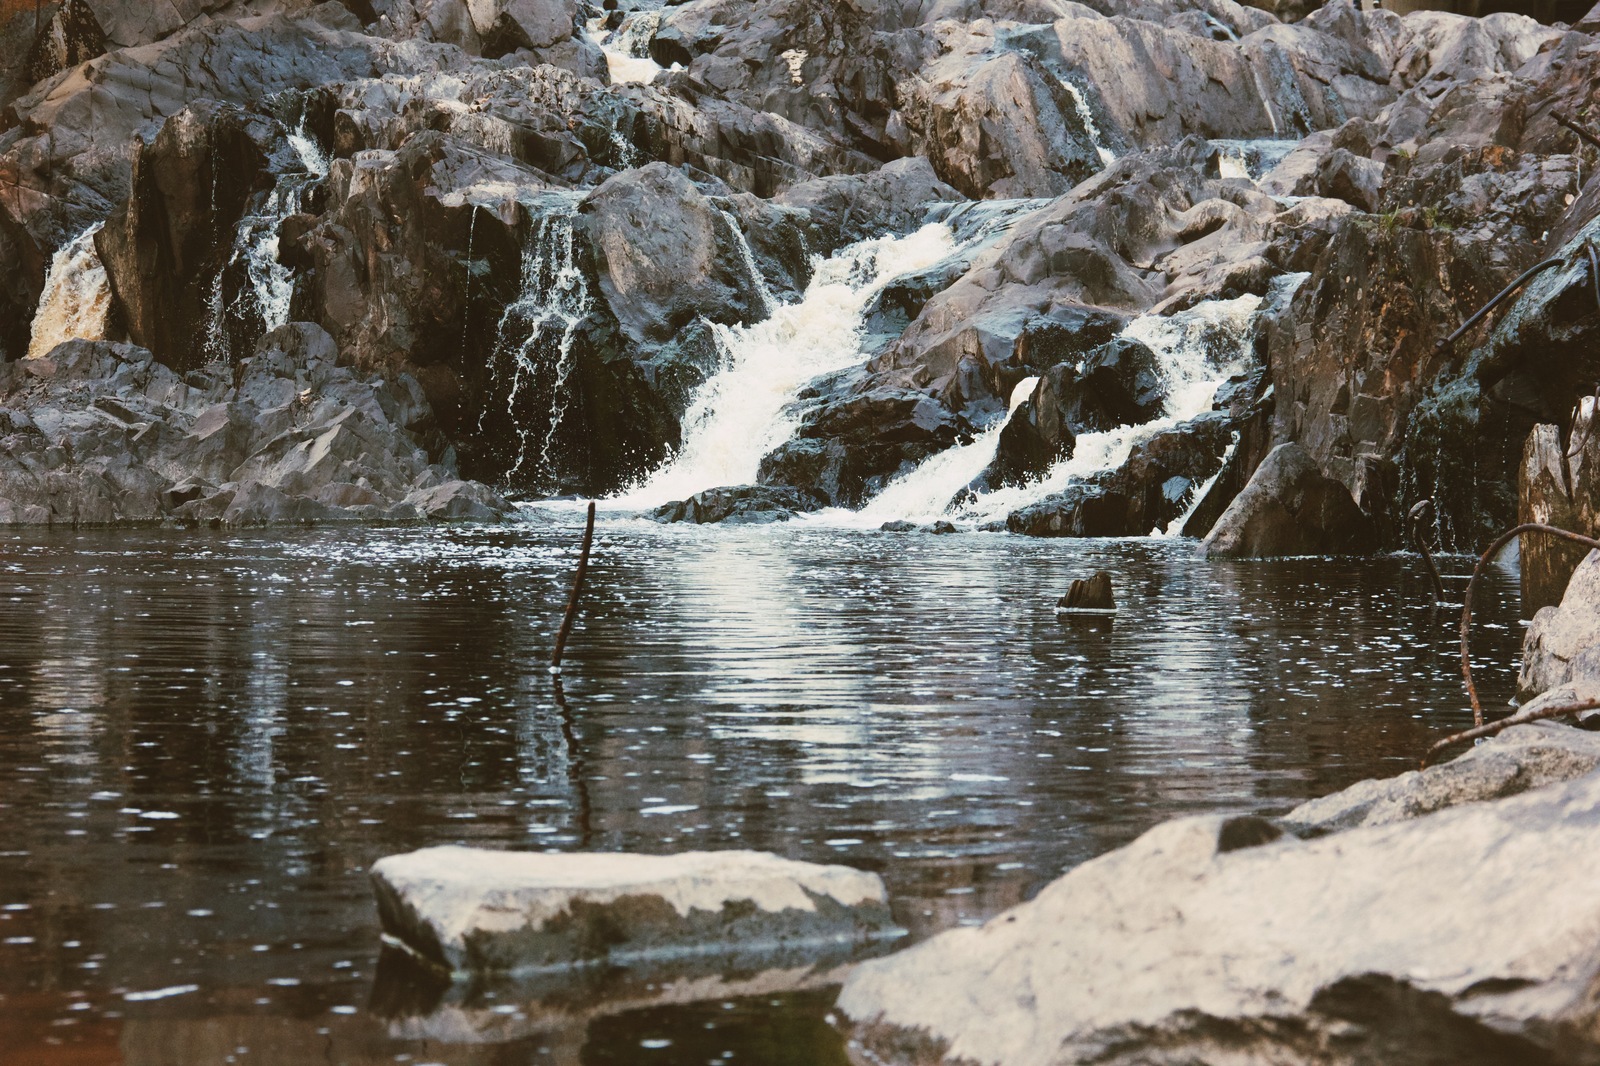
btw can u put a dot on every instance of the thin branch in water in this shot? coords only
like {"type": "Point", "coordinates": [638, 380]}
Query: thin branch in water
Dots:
{"type": "Point", "coordinates": [577, 589]}
{"type": "Point", "coordinates": [1494, 728]}
{"type": "Point", "coordinates": [1477, 571]}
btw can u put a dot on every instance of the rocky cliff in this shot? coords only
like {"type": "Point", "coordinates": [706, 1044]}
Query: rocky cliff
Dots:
{"type": "Point", "coordinates": [1161, 240]}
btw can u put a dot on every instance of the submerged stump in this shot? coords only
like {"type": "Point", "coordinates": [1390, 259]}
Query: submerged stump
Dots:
{"type": "Point", "coordinates": [1090, 596]}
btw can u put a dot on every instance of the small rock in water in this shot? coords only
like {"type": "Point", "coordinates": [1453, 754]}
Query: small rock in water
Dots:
{"type": "Point", "coordinates": [899, 525]}
{"type": "Point", "coordinates": [1093, 594]}
{"type": "Point", "coordinates": [470, 910]}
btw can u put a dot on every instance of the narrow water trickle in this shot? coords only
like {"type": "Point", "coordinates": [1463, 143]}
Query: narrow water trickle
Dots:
{"type": "Point", "coordinates": [76, 300]}
{"type": "Point", "coordinates": [744, 411]}
{"type": "Point", "coordinates": [264, 292]}
{"type": "Point", "coordinates": [533, 356]}
{"type": "Point", "coordinates": [1107, 156]}
{"type": "Point", "coordinates": [748, 258]}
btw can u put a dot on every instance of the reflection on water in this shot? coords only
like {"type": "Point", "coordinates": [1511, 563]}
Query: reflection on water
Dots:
{"type": "Point", "coordinates": [207, 738]}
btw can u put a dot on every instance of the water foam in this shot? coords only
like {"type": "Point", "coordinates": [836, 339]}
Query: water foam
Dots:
{"type": "Point", "coordinates": [744, 411]}
{"type": "Point", "coordinates": [533, 355]}
{"type": "Point", "coordinates": [76, 300]}
{"type": "Point", "coordinates": [1199, 349]}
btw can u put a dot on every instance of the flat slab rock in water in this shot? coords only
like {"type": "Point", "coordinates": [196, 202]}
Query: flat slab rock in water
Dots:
{"type": "Point", "coordinates": [471, 910]}
{"type": "Point", "coordinates": [1471, 935]}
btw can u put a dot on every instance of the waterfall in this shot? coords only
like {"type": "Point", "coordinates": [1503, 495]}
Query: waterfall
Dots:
{"type": "Point", "coordinates": [311, 155]}
{"type": "Point", "coordinates": [1199, 349]}
{"type": "Point", "coordinates": [748, 258]}
{"type": "Point", "coordinates": [1249, 158]}
{"type": "Point", "coordinates": [533, 354]}
{"type": "Point", "coordinates": [927, 489]}
{"type": "Point", "coordinates": [1198, 493]}
{"type": "Point", "coordinates": [1096, 138]}
{"type": "Point", "coordinates": [76, 299]}
{"type": "Point", "coordinates": [627, 49]}
{"type": "Point", "coordinates": [744, 411]}
{"type": "Point", "coordinates": [263, 287]}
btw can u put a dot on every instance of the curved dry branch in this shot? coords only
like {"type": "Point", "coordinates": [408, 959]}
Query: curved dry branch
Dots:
{"type": "Point", "coordinates": [1494, 728]}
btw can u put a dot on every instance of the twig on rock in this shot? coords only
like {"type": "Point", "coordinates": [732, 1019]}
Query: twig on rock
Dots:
{"type": "Point", "coordinates": [577, 588]}
{"type": "Point", "coordinates": [1495, 302]}
{"type": "Point", "coordinates": [1575, 128]}
{"type": "Point", "coordinates": [1494, 728]}
{"type": "Point", "coordinates": [1421, 512]}
{"type": "Point", "coordinates": [1477, 571]}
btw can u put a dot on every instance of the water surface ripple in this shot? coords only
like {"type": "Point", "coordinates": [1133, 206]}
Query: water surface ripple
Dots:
{"type": "Point", "coordinates": [206, 738]}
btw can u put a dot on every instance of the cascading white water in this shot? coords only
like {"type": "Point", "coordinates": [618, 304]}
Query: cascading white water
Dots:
{"type": "Point", "coordinates": [76, 300]}
{"type": "Point", "coordinates": [1107, 156]}
{"type": "Point", "coordinates": [255, 247]}
{"type": "Point", "coordinates": [743, 412]}
{"type": "Point", "coordinates": [927, 489]}
{"type": "Point", "coordinates": [270, 288]}
{"type": "Point", "coordinates": [1199, 349]}
{"type": "Point", "coordinates": [533, 347]}
{"type": "Point", "coordinates": [627, 49]}
{"type": "Point", "coordinates": [311, 155]}
{"type": "Point", "coordinates": [748, 258]}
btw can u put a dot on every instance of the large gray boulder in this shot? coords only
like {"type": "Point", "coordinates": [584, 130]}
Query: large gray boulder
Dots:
{"type": "Point", "coordinates": [471, 910]}
{"type": "Point", "coordinates": [1461, 937]}
{"type": "Point", "coordinates": [1562, 647]}
{"type": "Point", "coordinates": [1289, 508]}
{"type": "Point", "coordinates": [665, 255]}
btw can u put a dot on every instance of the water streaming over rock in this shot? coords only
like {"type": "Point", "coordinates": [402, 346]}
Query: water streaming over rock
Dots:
{"type": "Point", "coordinates": [262, 287]}
{"type": "Point", "coordinates": [76, 299]}
{"type": "Point", "coordinates": [1199, 348]}
{"type": "Point", "coordinates": [533, 356]}
{"type": "Point", "coordinates": [627, 49]}
{"type": "Point", "coordinates": [748, 258]}
{"type": "Point", "coordinates": [1107, 156]}
{"type": "Point", "coordinates": [744, 411]}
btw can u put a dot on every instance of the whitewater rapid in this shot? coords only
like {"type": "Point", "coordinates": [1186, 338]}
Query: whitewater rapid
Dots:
{"type": "Point", "coordinates": [744, 411]}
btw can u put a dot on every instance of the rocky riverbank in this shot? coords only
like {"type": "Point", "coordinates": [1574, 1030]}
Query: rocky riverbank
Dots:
{"type": "Point", "coordinates": [1423, 918]}
{"type": "Point", "coordinates": [565, 225]}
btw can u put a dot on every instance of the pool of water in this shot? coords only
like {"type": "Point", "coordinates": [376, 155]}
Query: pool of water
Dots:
{"type": "Point", "coordinates": [206, 738]}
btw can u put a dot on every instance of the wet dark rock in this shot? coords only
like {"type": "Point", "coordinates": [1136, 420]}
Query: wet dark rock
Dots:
{"type": "Point", "coordinates": [849, 445]}
{"type": "Point", "coordinates": [99, 433]}
{"type": "Point", "coordinates": [1089, 594]}
{"type": "Point", "coordinates": [166, 252]}
{"type": "Point", "coordinates": [1291, 508]}
{"type": "Point", "coordinates": [844, 208]}
{"type": "Point", "coordinates": [899, 525]}
{"type": "Point", "coordinates": [1118, 383]}
{"type": "Point", "coordinates": [739, 505]}
{"type": "Point", "coordinates": [665, 255]}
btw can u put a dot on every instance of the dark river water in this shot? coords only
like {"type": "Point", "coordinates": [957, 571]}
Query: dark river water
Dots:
{"type": "Point", "coordinates": [206, 739]}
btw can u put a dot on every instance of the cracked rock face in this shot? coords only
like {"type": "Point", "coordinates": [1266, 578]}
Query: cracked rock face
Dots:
{"type": "Point", "coordinates": [468, 910]}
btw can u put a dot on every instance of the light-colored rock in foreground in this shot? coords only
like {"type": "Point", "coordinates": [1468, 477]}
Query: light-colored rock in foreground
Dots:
{"type": "Point", "coordinates": [1524, 757]}
{"type": "Point", "coordinates": [1468, 936]}
{"type": "Point", "coordinates": [471, 910]}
